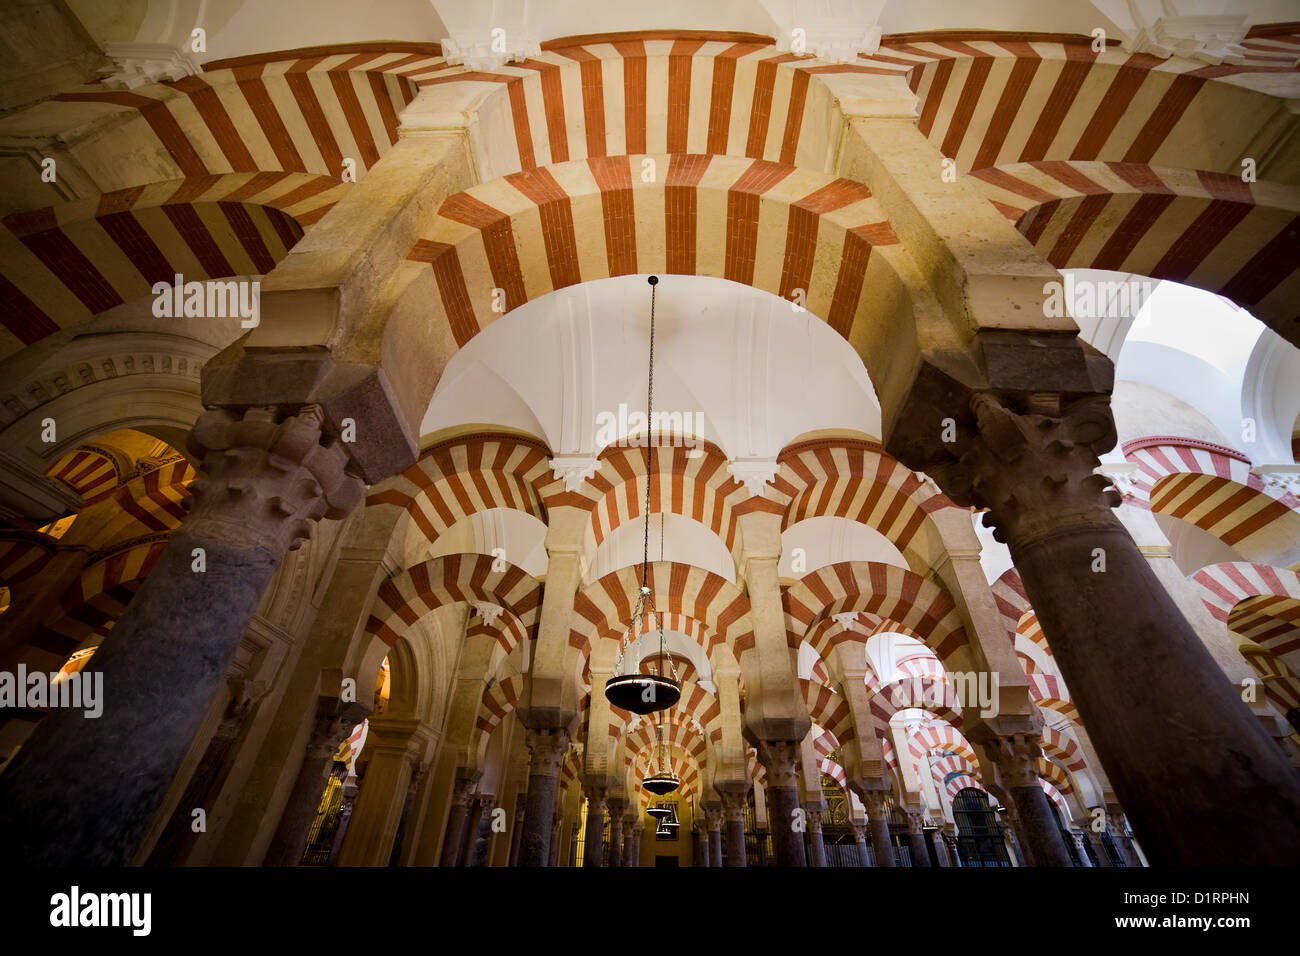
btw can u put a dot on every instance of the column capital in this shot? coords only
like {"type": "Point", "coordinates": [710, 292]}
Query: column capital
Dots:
{"type": "Point", "coordinates": [915, 819]}
{"type": "Point", "coordinates": [734, 802]}
{"type": "Point", "coordinates": [780, 758]}
{"type": "Point", "coordinates": [616, 807]}
{"type": "Point", "coordinates": [1032, 465]}
{"type": "Point", "coordinates": [1014, 755]}
{"type": "Point", "coordinates": [547, 748]}
{"type": "Point", "coordinates": [268, 477]}
{"type": "Point", "coordinates": [814, 818]}
{"type": "Point", "coordinates": [712, 815]}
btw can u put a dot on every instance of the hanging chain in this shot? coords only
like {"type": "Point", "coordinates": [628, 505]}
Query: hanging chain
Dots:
{"type": "Point", "coordinates": [649, 425]}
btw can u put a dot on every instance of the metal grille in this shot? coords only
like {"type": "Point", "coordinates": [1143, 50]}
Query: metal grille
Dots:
{"type": "Point", "coordinates": [320, 837]}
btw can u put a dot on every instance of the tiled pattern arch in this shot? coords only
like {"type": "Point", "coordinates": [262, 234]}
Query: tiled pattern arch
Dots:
{"type": "Point", "coordinates": [1069, 102]}
{"type": "Point", "coordinates": [463, 476]}
{"type": "Point", "coordinates": [858, 480]}
{"type": "Point", "coordinates": [1213, 488]}
{"type": "Point", "coordinates": [544, 229]}
{"type": "Point", "coordinates": [64, 264]}
{"type": "Point", "coordinates": [884, 590]}
{"type": "Point", "coordinates": [699, 488]}
{"type": "Point", "coordinates": [1225, 587]}
{"type": "Point", "coordinates": [404, 599]}
{"type": "Point", "coordinates": [297, 110]}
{"type": "Point", "coordinates": [1206, 229]}
{"type": "Point", "coordinates": [661, 92]}
{"type": "Point", "coordinates": [603, 608]}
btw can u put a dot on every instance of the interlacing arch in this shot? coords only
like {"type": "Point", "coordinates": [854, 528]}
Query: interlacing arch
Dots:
{"type": "Point", "coordinates": [699, 488]}
{"type": "Point", "coordinates": [695, 704]}
{"type": "Point", "coordinates": [585, 97]}
{"type": "Point", "coordinates": [932, 694]}
{"type": "Point", "coordinates": [64, 264]}
{"type": "Point", "coordinates": [404, 599]}
{"type": "Point", "coordinates": [1050, 693]}
{"type": "Point", "coordinates": [991, 98]}
{"type": "Point", "coordinates": [1020, 620]}
{"type": "Point", "coordinates": [301, 110]}
{"type": "Point", "coordinates": [828, 710]}
{"type": "Point", "coordinates": [1261, 599]}
{"type": "Point", "coordinates": [1213, 487]}
{"type": "Point", "coordinates": [1206, 229]}
{"type": "Point", "coordinates": [603, 608]}
{"type": "Point", "coordinates": [94, 602]}
{"type": "Point", "coordinates": [463, 476]}
{"type": "Point", "coordinates": [940, 736]}
{"type": "Point", "coordinates": [859, 481]}
{"type": "Point", "coordinates": [594, 219]}
{"type": "Point", "coordinates": [885, 591]}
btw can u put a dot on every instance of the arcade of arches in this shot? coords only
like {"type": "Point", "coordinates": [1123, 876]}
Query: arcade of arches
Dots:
{"type": "Point", "coordinates": [973, 509]}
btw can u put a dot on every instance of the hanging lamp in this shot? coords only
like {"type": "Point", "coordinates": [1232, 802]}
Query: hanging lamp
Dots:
{"type": "Point", "coordinates": [633, 690]}
{"type": "Point", "coordinates": [665, 781]}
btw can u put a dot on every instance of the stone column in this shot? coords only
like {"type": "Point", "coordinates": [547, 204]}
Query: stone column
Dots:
{"type": "Point", "coordinates": [940, 848]}
{"type": "Point", "coordinates": [547, 749]}
{"type": "Point", "coordinates": [290, 838]}
{"type": "Point", "coordinates": [482, 840]}
{"type": "Point", "coordinates": [916, 835]}
{"type": "Point", "coordinates": [408, 807]}
{"type": "Point", "coordinates": [733, 813]}
{"type": "Point", "coordinates": [454, 836]}
{"type": "Point", "coordinates": [1006, 823]}
{"type": "Point", "coordinates": [629, 840]}
{"type": "Point", "coordinates": [616, 807]}
{"type": "Point", "coordinates": [1015, 755]}
{"type": "Point", "coordinates": [269, 478]}
{"type": "Point", "coordinates": [701, 832]}
{"type": "Point", "coordinates": [713, 821]}
{"type": "Point", "coordinates": [860, 838]}
{"type": "Point", "coordinates": [1099, 603]}
{"type": "Point", "coordinates": [638, 834]}
{"type": "Point", "coordinates": [1098, 847]}
{"type": "Point", "coordinates": [1115, 826]}
{"type": "Point", "coordinates": [878, 815]}
{"type": "Point", "coordinates": [814, 818]}
{"type": "Point", "coordinates": [596, 795]}
{"type": "Point", "coordinates": [1080, 846]}
{"type": "Point", "coordinates": [469, 833]}
{"type": "Point", "coordinates": [521, 802]}
{"type": "Point", "coordinates": [396, 749]}
{"type": "Point", "coordinates": [553, 847]}
{"type": "Point", "coordinates": [779, 759]}
{"type": "Point", "coordinates": [950, 843]}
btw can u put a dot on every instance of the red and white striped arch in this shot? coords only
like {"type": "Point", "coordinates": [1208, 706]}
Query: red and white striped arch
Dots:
{"type": "Point", "coordinates": [603, 609]}
{"type": "Point", "coordinates": [1210, 230]}
{"type": "Point", "coordinates": [931, 694]}
{"type": "Point", "coordinates": [94, 602]}
{"type": "Point", "coordinates": [698, 488]}
{"type": "Point", "coordinates": [858, 480]}
{"type": "Point", "coordinates": [299, 111]}
{"type": "Point", "coordinates": [64, 264]}
{"type": "Point", "coordinates": [658, 92]}
{"type": "Point", "coordinates": [454, 578]}
{"type": "Point", "coordinates": [940, 736]}
{"type": "Point", "coordinates": [885, 591]}
{"type": "Point", "coordinates": [464, 476]}
{"type": "Point", "coordinates": [1013, 604]}
{"type": "Point", "coordinates": [771, 226]}
{"type": "Point", "coordinates": [1050, 693]}
{"type": "Point", "coordinates": [993, 98]}
{"type": "Point", "coordinates": [829, 711]}
{"type": "Point", "coordinates": [1212, 487]}
{"type": "Point", "coordinates": [1260, 599]}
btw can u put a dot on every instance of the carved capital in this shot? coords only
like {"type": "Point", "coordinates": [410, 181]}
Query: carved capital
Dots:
{"type": "Point", "coordinates": [915, 819]}
{"type": "Point", "coordinates": [780, 757]}
{"type": "Point", "coordinates": [547, 748]}
{"type": "Point", "coordinates": [814, 818]}
{"type": "Point", "coordinates": [712, 815]}
{"type": "Point", "coordinates": [733, 803]}
{"type": "Point", "coordinates": [1033, 469]}
{"type": "Point", "coordinates": [1014, 755]}
{"type": "Point", "coordinates": [268, 478]}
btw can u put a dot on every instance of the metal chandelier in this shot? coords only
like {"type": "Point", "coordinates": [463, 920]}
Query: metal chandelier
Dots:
{"type": "Point", "coordinates": [634, 690]}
